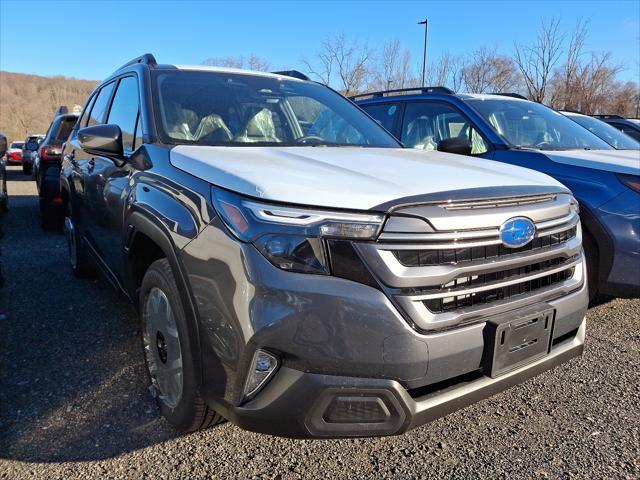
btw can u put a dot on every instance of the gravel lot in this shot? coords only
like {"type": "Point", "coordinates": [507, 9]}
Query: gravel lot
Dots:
{"type": "Point", "coordinates": [74, 402]}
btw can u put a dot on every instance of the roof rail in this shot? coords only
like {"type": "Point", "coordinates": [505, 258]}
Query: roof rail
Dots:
{"type": "Point", "coordinates": [608, 116]}
{"type": "Point", "coordinates": [511, 94]}
{"type": "Point", "coordinates": [386, 93]}
{"type": "Point", "coordinates": [146, 59]}
{"type": "Point", "coordinates": [293, 74]}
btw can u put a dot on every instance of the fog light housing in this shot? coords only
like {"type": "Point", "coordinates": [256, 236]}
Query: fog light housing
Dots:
{"type": "Point", "coordinates": [263, 367]}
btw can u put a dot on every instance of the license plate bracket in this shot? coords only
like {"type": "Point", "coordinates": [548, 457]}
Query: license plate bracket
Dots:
{"type": "Point", "coordinates": [517, 338]}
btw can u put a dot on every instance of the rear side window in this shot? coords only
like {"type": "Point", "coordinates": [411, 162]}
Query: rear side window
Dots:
{"type": "Point", "coordinates": [124, 110]}
{"type": "Point", "coordinates": [385, 114]}
{"type": "Point", "coordinates": [101, 104]}
{"type": "Point", "coordinates": [85, 115]}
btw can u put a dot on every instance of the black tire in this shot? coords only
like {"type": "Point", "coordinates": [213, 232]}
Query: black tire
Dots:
{"type": "Point", "coordinates": [26, 169]}
{"type": "Point", "coordinates": [190, 412]}
{"type": "Point", "coordinates": [50, 218]}
{"type": "Point", "coordinates": [80, 259]}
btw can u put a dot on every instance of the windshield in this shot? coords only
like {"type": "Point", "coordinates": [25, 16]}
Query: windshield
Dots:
{"type": "Point", "coordinates": [17, 145]}
{"type": "Point", "coordinates": [606, 132]}
{"type": "Point", "coordinates": [234, 109]}
{"type": "Point", "coordinates": [532, 125]}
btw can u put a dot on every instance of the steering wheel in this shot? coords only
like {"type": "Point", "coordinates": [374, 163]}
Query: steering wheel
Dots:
{"type": "Point", "coordinates": [543, 143]}
{"type": "Point", "coordinates": [309, 139]}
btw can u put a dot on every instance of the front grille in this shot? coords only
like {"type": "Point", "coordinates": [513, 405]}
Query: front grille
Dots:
{"type": "Point", "coordinates": [439, 305]}
{"type": "Point", "coordinates": [457, 271]}
{"type": "Point", "coordinates": [429, 258]}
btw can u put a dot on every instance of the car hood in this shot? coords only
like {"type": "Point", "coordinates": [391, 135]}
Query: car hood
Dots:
{"type": "Point", "coordinates": [345, 177]}
{"type": "Point", "coordinates": [618, 161]}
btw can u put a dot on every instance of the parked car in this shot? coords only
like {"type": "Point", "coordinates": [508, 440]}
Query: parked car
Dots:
{"type": "Point", "coordinates": [29, 150]}
{"type": "Point", "coordinates": [301, 274]}
{"type": "Point", "coordinates": [46, 169]}
{"type": "Point", "coordinates": [4, 197]}
{"type": "Point", "coordinates": [604, 131]}
{"type": "Point", "coordinates": [606, 182]}
{"type": "Point", "coordinates": [14, 153]}
{"type": "Point", "coordinates": [627, 126]}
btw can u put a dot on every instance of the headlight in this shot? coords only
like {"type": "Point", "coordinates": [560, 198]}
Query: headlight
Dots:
{"type": "Point", "coordinates": [291, 238]}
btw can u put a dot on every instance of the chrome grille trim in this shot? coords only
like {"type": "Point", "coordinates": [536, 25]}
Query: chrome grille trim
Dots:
{"type": "Point", "coordinates": [392, 273]}
{"type": "Point", "coordinates": [475, 238]}
{"type": "Point", "coordinates": [494, 285]}
{"type": "Point", "coordinates": [426, 320]}
{"type": "Point", "coordinates": [497, 202]}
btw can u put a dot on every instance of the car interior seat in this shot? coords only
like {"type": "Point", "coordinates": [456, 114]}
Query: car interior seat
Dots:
{"type": "Point", "coordinates": [420, 134]}
{"type": "Point", "coordinates": [259, 128]}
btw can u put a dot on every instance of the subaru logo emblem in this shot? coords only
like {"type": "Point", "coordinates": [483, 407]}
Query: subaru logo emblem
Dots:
{"type": "Point", "coordinates": [517, 232]}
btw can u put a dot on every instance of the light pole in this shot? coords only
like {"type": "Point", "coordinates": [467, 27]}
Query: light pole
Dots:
{"type": "Point", "coordinates": [424, 54]}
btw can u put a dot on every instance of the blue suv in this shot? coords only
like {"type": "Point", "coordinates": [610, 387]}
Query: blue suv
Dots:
{"type": "Point", "coordinates": [508, 128]}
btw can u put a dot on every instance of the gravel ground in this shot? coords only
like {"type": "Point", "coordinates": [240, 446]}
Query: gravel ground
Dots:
{"type": "Point", "coordinates": [74, 403]}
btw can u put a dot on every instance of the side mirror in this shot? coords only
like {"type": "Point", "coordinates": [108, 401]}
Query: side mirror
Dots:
{"type": "Point", "coordinates": [458, 145]}
{"type": "Point", "coordinates": [103, 140]}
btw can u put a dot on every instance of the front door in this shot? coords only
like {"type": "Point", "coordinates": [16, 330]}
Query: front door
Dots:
{"type": "Point", "coordinates": [108, 180]}
{"type": "Point", "coordinates": [427, 123]}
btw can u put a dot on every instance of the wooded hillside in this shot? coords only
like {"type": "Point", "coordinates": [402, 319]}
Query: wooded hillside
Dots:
{"type": "Point", "coordinates": [28, 102]}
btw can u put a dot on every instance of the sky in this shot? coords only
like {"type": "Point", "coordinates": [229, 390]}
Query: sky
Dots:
{"type": "Point", "coordinates": [91, 39]}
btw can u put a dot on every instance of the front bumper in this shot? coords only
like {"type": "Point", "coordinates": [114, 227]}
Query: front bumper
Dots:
{"type": "Point", "coordinates": [335, 335]}
{"type": "Point", "coordinates": [621, 218]}
{"type": "Point", "coordinates": [295, 404]}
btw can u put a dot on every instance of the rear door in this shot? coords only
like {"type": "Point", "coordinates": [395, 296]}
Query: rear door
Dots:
{"type": "Point", "coordinates": [427, 123]}
{"type": "Point", "coordinates": [386, 114]}
{"type": "Point", "coordinates": [108, 178]}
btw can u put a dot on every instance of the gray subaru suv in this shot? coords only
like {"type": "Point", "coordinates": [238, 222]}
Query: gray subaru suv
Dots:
{"type": "Point", "coordinates": [300, 273]}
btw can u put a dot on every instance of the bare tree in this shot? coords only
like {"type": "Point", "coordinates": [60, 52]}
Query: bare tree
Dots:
{"type": "Point", "coordinates": [486, 71]}
{"type": "Point", "coordinates": [322, 68]}
{"type": "Point", "coordinates": [536, 62]}
{"type": "Point", "coordinates": [566, 81]}
{"type": "Point", "coordinates": [345, 60]}
{"type": "Point", "coordinates": [597, 83]}
{"type": "Point", "coordinates": [446, 71]}
{"type": "Point", "coordinates": [229, 62]}
{"type": "Point", "coordinates": [253, 62]}
{"type": "Point", "coordinates": [393, 69]}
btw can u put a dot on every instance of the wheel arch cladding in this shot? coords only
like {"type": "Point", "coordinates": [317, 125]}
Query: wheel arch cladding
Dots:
{"type": "Point", "coordinates": [153, 241]}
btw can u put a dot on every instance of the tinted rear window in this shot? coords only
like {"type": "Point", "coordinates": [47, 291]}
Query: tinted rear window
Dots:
{"type": "Point", "coordinates": [66, 125]}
